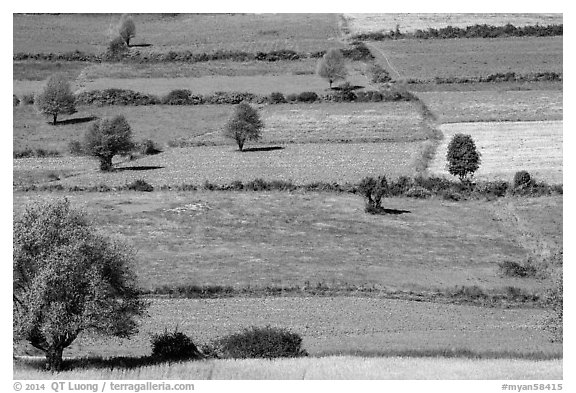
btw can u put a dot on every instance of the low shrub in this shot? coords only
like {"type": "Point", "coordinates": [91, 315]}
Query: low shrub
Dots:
{"type": "Point", "coordinates": [345, 93]}
{"type": "Point", "coordinates": [368, 96]}
{"type": "Point", "coordinates": [291, 97]}
{"type": "Point", "coordinates": [379, 74]}
{"type": "Point", "coordinates": [358, 52]}
{"type": "Point", "coordinates": [555, 303]}
{"type": "Point", "coordinates": [418, 192]}
{"type": "Point", "coordinates": [174, 346]}
{"type": "Point", "coordinates": [276, 98]}
{"type": "Point", "coordinates": [277, 55]}
{"type": "Point", "coordinates": [267, 342]}
{"type": "Point", "coordinates": [148, 148]}
{"type": "Point", "coordinates": [15, 100]}
{"type": "Point", "coordinates": [115, 97]}
{"type": "Point", "coordinates": [181, 97]}
{"type": "Point", "coordinates": [40, 153]}
{"type": "Point", "coordinates": [307, 96]}
{"type": "Point", "coordinates": [231, 98]}
{"type": "Point", "coordinates": [116, 50]}
{"type": "Point", "coordinates": [496, 188]}
{"type": "Point", "coordinates": [514, 269]}
{"type": "Point", "coordinates": [28, 99]}
{"type": "Point", "coordinates": [522, 179]}
{"type": "Point", "coordinates": [46, 153]}
{"type": "Point", "coordinates": [76, 148]}
{"type": "Point", "coordinates": [26, 153]}
{"type": "Point", "coordinates": [140, 185]}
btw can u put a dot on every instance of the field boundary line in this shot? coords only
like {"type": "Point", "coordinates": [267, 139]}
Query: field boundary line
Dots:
{"type": "Point", "coordinates": [386, 58]}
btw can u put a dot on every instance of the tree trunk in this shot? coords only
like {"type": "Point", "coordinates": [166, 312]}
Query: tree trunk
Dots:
{"type": "Point", "coordinates": [54, 359]}
{"type": "Point", "coordinates": [54, 121]}
{"type": "Point", "coordinates": [240, 144]}
{"type": "Point", "coordinates": [330, 81]}
{"type": "Point", "coordinates": [105, 164]}
{"type": "Point", "coordinates": [128, 42]}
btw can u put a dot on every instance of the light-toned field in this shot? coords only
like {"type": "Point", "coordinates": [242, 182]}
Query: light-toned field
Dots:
{"type": "Point", "coordinates": [320, 122]}
{"type": "Point", "coordinates": [510, 147]}
{"type": "Point", "coordinates": [493, 106]}
{"type": "Point", "coordinates": [342, 326]}
{"type": "Point", "coordinates": [196, 32]}
{"type": "Point", "coordinates": [366, 23]}
{"type": "Point", "coordinates": [150, 80]}
{"type": "Point", "coordinates": [285, 239]}
{"type": "Point", "coordinates": [300, 163]}
{"type": "Point", "coordinates": [469, 57]}
{"type": "Point", "coordinates": [333, 368]}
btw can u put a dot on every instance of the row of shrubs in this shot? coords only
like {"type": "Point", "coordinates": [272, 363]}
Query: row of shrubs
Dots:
{"type": "Point", "coordinates": [501, 77]}
{"type": "Point", "coordinates": [357, 52]}
{"type": "Point", "coordinates": [419, 187]}
{"type": "Point", "coordinates": [475, 31]}
{"type": "Point", "coordinates": [185, 97]}
{"type": "Point", "coordinates": [255, 342]}
{"type": "Point", "coordinates": [40, 153]}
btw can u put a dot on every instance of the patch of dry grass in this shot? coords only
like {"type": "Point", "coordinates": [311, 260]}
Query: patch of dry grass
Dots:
{"type": "Point", "coordinates": [280, 238]}
{"type": "Point", "coordinates": [510, 147]}
{"type": "Point", "coordinates": [482, 106]}
{"type": "Point", "coordinates": [365, 23]}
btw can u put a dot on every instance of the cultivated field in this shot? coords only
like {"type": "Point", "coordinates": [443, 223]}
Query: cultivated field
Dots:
{"type": "Point", "coordinates": [509, 147]}
{"type": "Point", "coordinates": [344, 326]}
{"type": "Point", "coordinates": [469, 57]}
{"type": "Point", "coordinates": [340, 367]}
{"type": "Point", "coordinates": [494, 106]}
{"type": "Point", "coordinates": [366, 23]}
{"type": "Point", "coordinates": [287, 239]}
{"type": "Point", "coordinates": [196, 32]}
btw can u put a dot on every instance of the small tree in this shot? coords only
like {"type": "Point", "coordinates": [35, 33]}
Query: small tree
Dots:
{"type": "Point", "coordinates": [69, 279]}
{"type": "Point", "coordinates": [107, 138]}
{"type": "Point", "coordinates": [56, 98]}
{"type": "Point", "coordinates": [463, 158]}
{"type": "Point", "coordinates": [244, 125]}
{"type": "Point", "coordinates": [332, 66]}
{"type": "Point", "coordinates": [373, 190]}
{"type": "Point", "coordinates": [126, 28]}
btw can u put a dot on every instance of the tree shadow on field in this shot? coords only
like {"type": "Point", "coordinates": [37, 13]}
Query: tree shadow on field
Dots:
{"type": "Point", "coordinates": [140, 45]}
{"type": "Point", "coordinates": [269, 148]}
{"type": "Point", "coordinates": [76, 120]}
{"type": "Point", "coordinates": [355, 87]}
{"type": "Point", "coordinates": [137, 168]}
{"type": "Point", "coordinates": [383, 211]}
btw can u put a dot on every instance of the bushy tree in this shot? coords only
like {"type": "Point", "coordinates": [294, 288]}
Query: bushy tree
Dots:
{"type": "Point", "coordinates": [463, 158]}
{"type": "Point", "coordinates": [107, 138]}
{"type": "Point", "coordinates": [69, 279]}
{"type": "Point", "coordinates": [244, 125]}
{"type": "Point", "coordinates": [332, 66]}
{"type": "Point", "coordinates": [126, 28]}
{"type": "Point", "coordinates": [373, 190]}
{"type": "Point", "coordinates": [56, 98]}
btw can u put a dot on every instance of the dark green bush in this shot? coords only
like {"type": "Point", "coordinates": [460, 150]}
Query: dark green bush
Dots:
{"type": "Point", "coordinates": [115, 97]}
{"type": "Point", "coordinates": [267, 342]}
{"type": "Point", "coordinates": [26, 153]}
{"type": "Point", "coordinates": [418, 192]}
{"type": "Point", "coordinates": [15, 100]}
{"type": "Point", "coordinates": [292, 97]}
{"type": "Point", "coordinates": [379, 74]}
{"type": "Point", "coordinates": [307, 96]}
{"type": "Point", "coordinates": [522, 179]}
{"type": "Point", "coordinates": [277, 98]}
{"type": "Point", "coordinates": [174, 346]}
{"type": "Point", "coordinates": [117, 49]}
{"type": "Point", "coordinates": [232, 98]}
{"type": "Point", "coordinates": [182, 97]}
{"type": "Point", "coordinates": [140, 185]}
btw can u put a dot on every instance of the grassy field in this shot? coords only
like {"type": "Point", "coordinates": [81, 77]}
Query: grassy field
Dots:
{"type": "Point", "coordinates": [510, 147]}
{"type": "Point", "coordinates": [342, 326]}
{"type": "Point", "coordinates": [196, 32]}
{"type": "Point", "coordinates": [230, 76]}
{"type": "Point", "coordinates": [365, 23]}
{"type": "Point", "coordinates": [280, 238]}
{"type": "Point", "coordinates": [493, 106]}
{"type": "Point", "coordinates": [469, 57]}
{"type": "Point", "coordinates": [298, 123]}
{"type": "Point", "coordinates": [333, 368]}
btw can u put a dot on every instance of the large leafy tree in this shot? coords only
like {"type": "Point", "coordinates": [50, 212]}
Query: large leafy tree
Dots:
{"type": "Point", "coordinates": [244, 125]}
{"type": "Point", "coordinates": [332, 66]}
{"type": "Point", "coordinates": [462, 156]}
{"type": "Point", "coordinates": [56, 98]}
{"type": "Point", "coordinates": [107, 138]}
{"type": "Point", "coordinates": [69, 279]}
